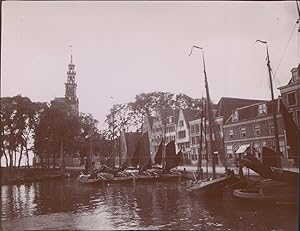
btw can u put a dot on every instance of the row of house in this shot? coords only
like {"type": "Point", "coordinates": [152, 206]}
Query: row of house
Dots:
{"type": "Point", "coordinates": [239, 122]}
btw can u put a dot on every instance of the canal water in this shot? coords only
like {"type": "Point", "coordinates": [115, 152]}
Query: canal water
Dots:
{"type": "Point", "coordinates": [65, 204]}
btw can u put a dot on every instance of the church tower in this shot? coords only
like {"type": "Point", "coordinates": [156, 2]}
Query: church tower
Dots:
{"type": "Point", "coordinates": [71, 85]}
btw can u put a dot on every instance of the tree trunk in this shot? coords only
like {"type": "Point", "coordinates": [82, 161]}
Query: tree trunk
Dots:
{"type": "Point", "coordinates": [27, 155]}
{"type": "Point", "coordinates": [20, 157]}
{"type": "Point", "coordinates": [15, 158]}
{"type": "Point", "coordinates": [11, 162]}
{"type": "Point", "coordinates": [6, 159]}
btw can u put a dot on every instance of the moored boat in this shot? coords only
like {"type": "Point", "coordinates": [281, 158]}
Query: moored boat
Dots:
{"type": "Point", "coordinates": [212, 187]}
{"type": "Point", "coordinates": [251, 194]}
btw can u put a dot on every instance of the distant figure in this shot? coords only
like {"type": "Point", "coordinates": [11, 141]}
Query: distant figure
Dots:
{"type": "Point", "coordinates": [200, 174]}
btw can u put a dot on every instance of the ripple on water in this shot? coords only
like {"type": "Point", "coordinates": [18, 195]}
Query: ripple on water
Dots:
{"type": "Point", "coordinates": [142, 206]}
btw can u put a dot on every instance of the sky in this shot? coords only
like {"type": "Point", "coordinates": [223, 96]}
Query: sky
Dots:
{"type": "Point", "coordinates": [122, 49]}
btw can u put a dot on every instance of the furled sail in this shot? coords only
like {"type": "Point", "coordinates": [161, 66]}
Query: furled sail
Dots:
{"type": "Point", "coordinates": [141, 155]}
{"type": "Point", "coordinates": [171, 158]}
{"type": "Point", "coordinates": [123, 149]}
{"type": "Point", "coordinates": [158, 156]}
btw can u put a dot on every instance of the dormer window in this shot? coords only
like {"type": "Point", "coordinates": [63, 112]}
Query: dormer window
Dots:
{"type": "Point", "coordinates": [235, 116]}
{"type": "Point", "coordinates": [181, 123]}
{"type": "Point", "coordinates": [295, 75]}
{"type": "Point", "coordinates": [262, 109]}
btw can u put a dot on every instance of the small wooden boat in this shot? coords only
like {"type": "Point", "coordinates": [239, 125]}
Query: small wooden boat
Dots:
{"type": "Point", "coordinates": [212, 187]}
{"type": "Point", "coordinates": [169, 176]}
{"type": "Point", "coordinates": [251, 194]}
{"type": "Point", "coordinates": [141, 177]}
{"type": "Point", "coordinates": [84, 179]}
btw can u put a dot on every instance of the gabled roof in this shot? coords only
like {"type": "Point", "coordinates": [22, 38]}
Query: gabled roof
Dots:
{"type": "Point", "coordinates": [190, 114]}
{"type": "Point", "coordinates": [250, 112]}
{"type": "Point", "coordinates": [226, 105]}
{"type": "Point", "coordinates": [291, 79]}
{"type": "Point", "coordinates": [167, 112]}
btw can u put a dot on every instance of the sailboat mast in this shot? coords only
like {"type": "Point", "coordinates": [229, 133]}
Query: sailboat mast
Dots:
{"type": "Point", "coordinates": [273, 105]}
{"type": "Point", "coordinates": [209, 112]}
{"type": "Point", "coordinates": [273, 101]}
{"type": "Point", "coordinates": [201, 136]}
{"type": "Point", "coordinates": [164, 140]}
{"type": "Point", "coordinates": [205, 139]}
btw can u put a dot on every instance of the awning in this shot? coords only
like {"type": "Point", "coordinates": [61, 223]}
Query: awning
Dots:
{"type": "Point", "coordinates": [242, 149]}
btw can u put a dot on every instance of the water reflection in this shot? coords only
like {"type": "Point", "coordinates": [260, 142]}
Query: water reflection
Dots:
{"type": "Point", "coordinates": [66, 204]}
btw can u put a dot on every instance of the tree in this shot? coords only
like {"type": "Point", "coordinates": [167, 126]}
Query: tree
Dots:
{"type": "Point", "coordinates": [58, 127]}
{"type": "Point", "coordinates": [17, 127]}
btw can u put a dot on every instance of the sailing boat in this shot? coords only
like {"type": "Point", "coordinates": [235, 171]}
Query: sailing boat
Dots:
{"type": "Point", "coordinates": [172, 160]}
{"type": "Point", "coordinates": [274, 170]}
{"type": "Point", "coordinates": [271, 165]}
{"type": "Point", "coordinates": [211, 186]}
{"type": "Point", "coordinates": [142, 160]}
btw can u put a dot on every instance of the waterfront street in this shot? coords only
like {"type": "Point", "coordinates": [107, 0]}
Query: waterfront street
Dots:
{"type": "Point", "coordinates": [66, 204]}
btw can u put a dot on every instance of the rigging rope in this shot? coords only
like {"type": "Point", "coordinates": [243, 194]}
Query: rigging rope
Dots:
{"type": "Point", "coordinates": [286, 48]}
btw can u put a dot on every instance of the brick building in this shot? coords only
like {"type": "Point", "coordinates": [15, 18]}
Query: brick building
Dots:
{"type": "Point", "coordinates": [290, 95]}
{"type": "Point", "coordinates": [253, 125]}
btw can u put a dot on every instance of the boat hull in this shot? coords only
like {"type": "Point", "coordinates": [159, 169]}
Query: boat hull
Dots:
{"type": "Point", "coordinates": [212, 188]}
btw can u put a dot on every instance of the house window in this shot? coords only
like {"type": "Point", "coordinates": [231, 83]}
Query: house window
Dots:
{"type": "Point", "coordinates": [235, 116]}
{"type": "Point", "coordinates": [243, 132]}
{"type": "Point", "coordinates": [193, 140]}
{"type": "Point", "coordinates": [257, 129]}
{"type": "Point", "coordinates": [181, 134]}
{"type": "Point", "coordinates": [181, 123]}
{"type": "Point", "coordinates": [282, 147]}
{"type": "Point", "coordinates": [262, 109]}
{"type": "Point", "coordinates": [291, 98]}
{"type": "Point", "coordinates": [192, 129]}
{"type": "Point", "coordinates": [229, 151]}
{"type": "Point", "coordinates": [197, 139]}
{"type": "Point", "coordinates": [270, 143]}
{"type": "Point", "coordinates": [197, 128]}
{"type": "Point", "coordinates": [231, 133]}
{"type": "Point", "coordinates": [272, 128]}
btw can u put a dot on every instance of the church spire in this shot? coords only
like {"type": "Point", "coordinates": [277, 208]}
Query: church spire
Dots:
{"type": "Point", "coordinates": [71, 86]}
{"type": "Point", "coordinates": [71, 54]}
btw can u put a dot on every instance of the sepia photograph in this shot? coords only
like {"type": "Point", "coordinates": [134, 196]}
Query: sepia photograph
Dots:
{"type": "Point", "coordinates": [150, 115]}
